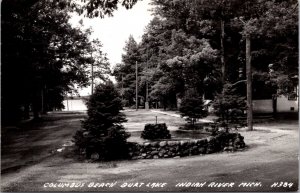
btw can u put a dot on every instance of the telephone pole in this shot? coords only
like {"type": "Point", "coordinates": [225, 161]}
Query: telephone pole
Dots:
{"type": "Point", "coordinates": [147, 102]}
{"type": "Point", "coordinates": [249, 84]}
{"type": "Point", "coordinates": [136, 86]}
{"type": "Point", "coordinates": [249, 81]}
{"type": "Point", "coordinates": [92, 72]}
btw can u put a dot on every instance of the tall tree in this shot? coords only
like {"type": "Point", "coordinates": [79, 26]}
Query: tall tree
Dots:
{"type": "Point", "coordinates": [125, 72]}
{"type": "Point", "coordinates": [42, 57]}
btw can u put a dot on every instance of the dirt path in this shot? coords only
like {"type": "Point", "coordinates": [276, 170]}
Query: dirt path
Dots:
{"type": "Point", "coordinates": [32, 142]}
{"type": "Point", "coordinates": [272, 157]}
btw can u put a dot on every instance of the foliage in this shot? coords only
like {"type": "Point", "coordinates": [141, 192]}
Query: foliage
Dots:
{"type": "Point", "coordinates": [102, 131]}
{"type": "Point", "coordinates": [99, 61]}
{"type": "Point", "coordinates": [196, 126]}
{"type": "Point", "coordinates": [156, 131]}
{"type": "Point", "coordinates": [43, 56]}
{"type": "Point", "coordinates": [230, 105]}
{"type": "Point", "coordinates": [99, 8]}
{"type": "Point", "coordinates": [193, 108]}
{"type": "Point", "coordinates": [125, 72]}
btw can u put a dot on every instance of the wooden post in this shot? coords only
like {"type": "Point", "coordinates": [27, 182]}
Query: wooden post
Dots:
{"type": "Point", "coordinates": [249, 84]}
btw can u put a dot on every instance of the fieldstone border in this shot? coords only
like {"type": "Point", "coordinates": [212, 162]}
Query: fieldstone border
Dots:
{"type": "Point", "coordinates": [175, 149]}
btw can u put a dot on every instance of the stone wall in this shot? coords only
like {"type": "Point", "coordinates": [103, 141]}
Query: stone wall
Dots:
{"type": "Point", "coordinates": [175, 149]}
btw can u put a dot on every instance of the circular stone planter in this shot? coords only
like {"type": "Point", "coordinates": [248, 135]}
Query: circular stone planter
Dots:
{"type": "Point", "coordinates": [185, 147]}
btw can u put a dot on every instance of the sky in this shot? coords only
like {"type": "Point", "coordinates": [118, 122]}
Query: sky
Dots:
{"type": "Point", "coordinates": [114, 31]}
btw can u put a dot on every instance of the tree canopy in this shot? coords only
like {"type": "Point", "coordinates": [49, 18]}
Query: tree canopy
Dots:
{"type": "Point", "coordinates": [43, 56]}
{"type": "Point", "coordinates": [188, 43]}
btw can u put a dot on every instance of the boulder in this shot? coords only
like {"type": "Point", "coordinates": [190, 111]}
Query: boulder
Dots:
{"type": "Point", "coordinates": [163, 144]}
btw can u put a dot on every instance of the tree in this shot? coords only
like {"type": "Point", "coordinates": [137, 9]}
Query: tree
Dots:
{"type": "Point", "coordinates": [102, 132]}
{"type": "Point", "coordinates": [230, 105]}
{"type": "Point", "coordinates": [99, 64]}
{"type": "Point", "coordinates": [192, 106]}
{"type": "Point", "coordinates": [125, 72]}
{"type": "Point", "coordinates": [90, 8]}
{"type": "Point", "coordinates": [42, 57]}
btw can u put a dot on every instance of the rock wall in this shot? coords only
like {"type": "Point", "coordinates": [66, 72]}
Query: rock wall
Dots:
{"type": "Point", "coordinates": [175, 149]}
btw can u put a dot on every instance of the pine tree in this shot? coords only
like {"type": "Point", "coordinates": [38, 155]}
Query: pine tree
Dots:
{"type": "Point", "coordinates": [102, 132]}
{"type": "Point", "coordinates": [230, 105]}
{"type": "Point", "coordinates": [192, 106]}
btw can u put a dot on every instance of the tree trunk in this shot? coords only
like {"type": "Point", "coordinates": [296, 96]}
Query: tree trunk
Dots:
{"type": "Point", "coordinates": [249, 84]}
{"type": "Point", "coordinates": [274, 103]}
{"type": "Point", "coordinates": [26, 111]}
{"type": "Point", "coordinates": [36, 111]}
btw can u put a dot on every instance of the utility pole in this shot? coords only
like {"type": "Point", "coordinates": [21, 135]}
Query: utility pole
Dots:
{"type": "Point", "coordinates": [222, 50]}
{"type": "Point", "coordinates": [92, 72]}
{"type": "Point", "coordinates": [249, 84]}
{"type": "Point", "coordinates": [136, 86]}
{"type": "Point", "coordinates": [147, 102]}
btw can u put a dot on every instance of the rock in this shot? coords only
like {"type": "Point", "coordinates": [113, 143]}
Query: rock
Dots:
{"type": "Point", "coordinates": [166, 156]}
{"type": "Point", "coordinates": [186, 152]}
{"type": "Point", "coordinates": [176, 157]}
{"type": "Point", "coordinates": [154, 152]}
{"type": "Point", "coordinates": [60, 149]}
{"type": "Point", "coordinates": [193, 142]}
{"type": "Point", "coordinates": [144, 155]}
{"type": "Point", "coordinates": [202, 150]}
{"type": "Point", "coordinates": [172, 143]}
{"type": "Point", "coordinates": [95, 156]}
{"type": "Point", "coordinates": [161, 154]}
{"type": "Point", "coordinates": [147, 144]}
{"type": "Point", "coordinates": [163, 143]}
{"type": "Point", "coordinates": [139, 144]}
{"type": "Point", "coordinates": [155, 144]}
{"type": "Point", "coordinates": [155, 157]}
{"type": "Point", "coordinates": [210, 138]}
{"type": "Point", "coordinates": [182, 143]}
{"type": "Point", "coordinates": [202, 141]}
{"type": "Point", "coordinates": [230, 148]}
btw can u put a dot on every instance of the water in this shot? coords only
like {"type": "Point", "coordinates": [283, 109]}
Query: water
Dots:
{"type": "Point", "coordinates": [74, 105]}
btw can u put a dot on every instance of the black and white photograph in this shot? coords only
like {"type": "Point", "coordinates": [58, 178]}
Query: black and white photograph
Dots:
{"type": "Point", "coordinates": [149, 96]}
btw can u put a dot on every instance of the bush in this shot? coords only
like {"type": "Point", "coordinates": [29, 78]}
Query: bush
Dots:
{"type": "Point", "coordinates": [193, 108]}
{"type": "Point", "coordinates": [102, 133]}
{"type": "Point", "coordinates": [156, 131]}
{"type": "Point", "coordinates": [192, 127]}
{"type": "Point", "coordinates": [230, 105]}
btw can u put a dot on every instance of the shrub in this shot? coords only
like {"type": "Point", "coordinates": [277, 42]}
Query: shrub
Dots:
{"type": "Point", "coordinates": [156, 131]}
{"type": "Point", "coordinates": [193, 108]}
{"type": "Point", "coordinates": [102, 132]}
{"type": "Point", "coordinates": [230, 105]}
{"type": "Point", "coordinates": [191, 127]}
